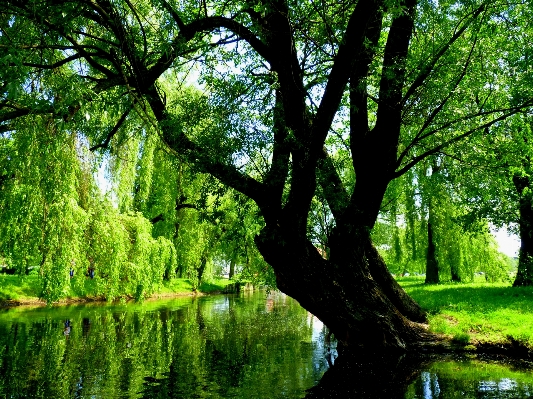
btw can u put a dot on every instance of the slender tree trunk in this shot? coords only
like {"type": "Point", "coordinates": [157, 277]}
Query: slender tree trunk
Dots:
{"type": "Point", "coordinates": [201, 268]}
{"type": "Point", "coordinates": [455, 263]}
{"type": "Point", "coordinates": [398, 253]}
{"type": "Point", "coordinates": [432, 266]}
{"type": "Point", "coordinates": [232, 268]}
{"type": "Point", "coordinates": [410, 236]}
{"type": "Point", "coordinates": [455, 273]}
{"type": "Point", "coordinates": [524, 276]}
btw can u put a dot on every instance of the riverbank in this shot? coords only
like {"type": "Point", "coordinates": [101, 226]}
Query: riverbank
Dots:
{"type": "Point", "coordinates": [18, 291]}
{"type": "Point", "coordinates": [490, 317]}
{"type": "Point", "coordinates": [485, 316]}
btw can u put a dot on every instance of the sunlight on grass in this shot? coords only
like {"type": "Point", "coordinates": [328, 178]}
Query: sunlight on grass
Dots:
{"type": "Point", "coordinates": [475, 312]}
{"type": "Point", "coordinates": [19, 288]}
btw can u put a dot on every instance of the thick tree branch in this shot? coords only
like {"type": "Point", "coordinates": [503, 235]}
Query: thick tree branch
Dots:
{"type": "Point", "coordinates": [161, 217]}
{"type": "Point", "coordinates": [374, 157]}
{"type": "Point", "coordinates": [332, 186]}
{"type": "Point", "coordinates": [393, 73]}
{"type": "Point", "coordinates": [350, 49]}
{"type": "Point", "coordinates": [207, 24]}
{"type": "Point", "coordinates": [358, 89]}
{"type": "Point", "coordinates": [5, 128]}
{"type": "Point", "coordinates": [19, 112]}
{"type": "Point", "coordinates": [202, 157]}
{"type": "Point", "coordinates": [276, 177]}
{"type": "Point", "coordinates": [55, 65]}
{"type": "Point", "coordinates": [310, 147]}
{"type": "Point", "coordinates": [187, 32]}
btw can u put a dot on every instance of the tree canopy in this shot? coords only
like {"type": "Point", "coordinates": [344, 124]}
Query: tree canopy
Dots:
{"type": "Point", "coordinates": [312, 110]}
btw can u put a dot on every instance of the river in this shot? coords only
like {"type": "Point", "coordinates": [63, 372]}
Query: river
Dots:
{"type": "Point", "coordinates": [245, 346]}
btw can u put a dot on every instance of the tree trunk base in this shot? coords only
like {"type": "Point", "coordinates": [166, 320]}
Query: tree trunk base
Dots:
{"type": "Point", "coordinates": [352, 293]}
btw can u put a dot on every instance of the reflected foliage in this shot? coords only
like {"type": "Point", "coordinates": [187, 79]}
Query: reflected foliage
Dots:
{"type": "Point", "coordinates": [219, 347]}
{"type": "Point", "coordinates": [471, 379]}
{"type": "Point", "coordinates": [206, 347]}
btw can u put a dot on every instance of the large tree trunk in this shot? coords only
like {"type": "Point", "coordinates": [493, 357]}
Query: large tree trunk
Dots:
{"type": "Point", "coordinates": [352, 292]}
{"type": "Point", "coordinates": [524, 276]}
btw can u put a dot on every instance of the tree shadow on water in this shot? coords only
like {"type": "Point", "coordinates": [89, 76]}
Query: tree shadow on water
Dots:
{"type": "Point", "coordinates": [369, 375]}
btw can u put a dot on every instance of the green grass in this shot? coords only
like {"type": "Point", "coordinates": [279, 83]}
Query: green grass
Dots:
{"type": "Point", "coordinates": [19, 288]}
{"type": "Point", "coordinates": [184, 286]}
{"type": "Point", "coordinates": [28, 288]}
{"type": "Point", "coordinates": [476, 312]}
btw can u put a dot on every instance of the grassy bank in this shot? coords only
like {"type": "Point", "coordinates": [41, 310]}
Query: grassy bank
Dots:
{"type": "Point", "coordinates": [26, 289]}
{"type": "Point", "coordinates": [477, 313]}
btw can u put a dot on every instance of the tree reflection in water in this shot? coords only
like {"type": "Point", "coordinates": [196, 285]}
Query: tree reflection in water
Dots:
{"type": "Point", "coordinates": [377, 375]}
{"type": "Point", "coordinates": [223, 346]}
{"type": "Point", "coordinates": [217, 347]}
{"type": "Point", "coordinates": [368, 375]}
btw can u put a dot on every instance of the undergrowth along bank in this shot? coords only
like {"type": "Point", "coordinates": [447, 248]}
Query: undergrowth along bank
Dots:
{"type": "Point", "coordinates": [16, 289]}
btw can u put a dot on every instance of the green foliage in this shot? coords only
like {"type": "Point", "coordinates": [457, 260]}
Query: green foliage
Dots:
{"type": "Point", "coordinates": [114, 74]}
{"type": "Point", "coordinates": [434, 192]}
{"type": "Point", "coordinates": [125, 256]}
{"type": "Point", "coordinates": [45, 226]}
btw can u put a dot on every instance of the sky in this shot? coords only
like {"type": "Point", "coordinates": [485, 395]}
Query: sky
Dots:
{"type": "Point", "coordinates": [508, 244]}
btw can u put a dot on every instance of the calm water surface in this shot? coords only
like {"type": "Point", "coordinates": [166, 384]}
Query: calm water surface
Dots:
{"type": "Point", "coordinates": [253, 346]}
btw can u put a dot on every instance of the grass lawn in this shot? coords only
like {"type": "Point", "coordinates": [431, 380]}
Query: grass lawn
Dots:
{"type": "Point", "coordinates": [183, 286]}
{"type": "Point", "coordinates": [475, 312]}
{"type": "Point", "coordinates": [19, 288]}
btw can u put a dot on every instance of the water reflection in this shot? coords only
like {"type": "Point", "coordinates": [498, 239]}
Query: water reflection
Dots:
{"type": "Point", "coordinates": [218, 347]}
{"type": "Point", "coordinates": [384, 375]}
{"type": "Point", "coordinates": [224, 346]}
{"type": "Point", "coordinates": [472, 379]}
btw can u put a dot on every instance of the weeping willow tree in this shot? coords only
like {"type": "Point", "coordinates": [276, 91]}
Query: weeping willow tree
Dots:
{"type": "Point", "coordinates": [55, 220]}
{"type": "Point", "coordinates": [208, 224]}
{"type": "Point", "coordinates": [42, 223]}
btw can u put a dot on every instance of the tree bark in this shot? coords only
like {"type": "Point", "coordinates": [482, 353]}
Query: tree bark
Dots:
{"type": "Point", "coordinates": [455, 264]}
{"type": "Point", "coordinates": [361, 308]}
{"type": "Point", "coordinates": [524, 276]}
{"type": "Point", "coordinates": [410, 236]}
{"type": "Point", "coordinates": [201, 268]}
{"type": "Point", "coordinates": [432, 266]}
{"type": "Point", "coordinates": [231, 268]}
